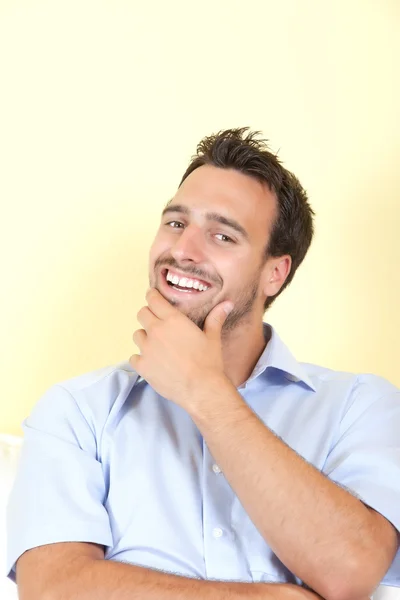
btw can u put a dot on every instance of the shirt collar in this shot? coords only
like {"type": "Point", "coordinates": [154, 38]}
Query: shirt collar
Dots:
{"type": "Point", "coordinates": [277, 355]}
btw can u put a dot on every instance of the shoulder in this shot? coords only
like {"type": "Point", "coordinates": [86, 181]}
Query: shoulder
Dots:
{"type": "Point", "coordinates": [85, 400]}
{"type": "Point", "coordinates": [104, 385]}
{"type": "Point", "coordinates": [357, 382]}
{"type": "Point", "coordinates": [354, 392]}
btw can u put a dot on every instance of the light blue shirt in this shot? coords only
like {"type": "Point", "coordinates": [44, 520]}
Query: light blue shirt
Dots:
{"type": "Point", "coordinates": [107, 460]}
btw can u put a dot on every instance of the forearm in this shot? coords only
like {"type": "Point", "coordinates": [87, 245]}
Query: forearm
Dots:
{"type": "Point", "coordinates": [110, 580]}
{"type": "Point", "coordinates": [319, 531]}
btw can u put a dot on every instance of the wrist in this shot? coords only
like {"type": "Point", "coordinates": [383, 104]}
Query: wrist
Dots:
{"type": "Point", "coordinates": [216, 399]}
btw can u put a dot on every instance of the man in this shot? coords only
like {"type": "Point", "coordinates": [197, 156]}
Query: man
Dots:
{"type": "Point", "coordinates": [212, 464]}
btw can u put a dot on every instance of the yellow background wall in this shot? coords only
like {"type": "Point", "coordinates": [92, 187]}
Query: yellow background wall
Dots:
{"type": "Point", "coordinates": [101, 106]}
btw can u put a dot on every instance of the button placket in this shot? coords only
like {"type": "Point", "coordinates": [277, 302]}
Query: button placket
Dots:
{"type": "Point", "coordinates": [222, 555]}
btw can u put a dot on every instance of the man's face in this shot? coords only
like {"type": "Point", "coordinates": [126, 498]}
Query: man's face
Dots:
{"type": "Point", "coordinates": [214, 233]}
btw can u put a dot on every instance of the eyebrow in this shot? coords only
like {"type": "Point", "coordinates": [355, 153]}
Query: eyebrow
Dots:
{"type": "Point", "coordinates": [211, 216]}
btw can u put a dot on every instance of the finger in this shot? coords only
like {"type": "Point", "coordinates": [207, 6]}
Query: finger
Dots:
{"type": "Point", "coordinates": [146, 317]}
{"type": "Point", "coordinates": [159, 305]}
{"type": "Point", "coordinates": [135, 362]}
{"type": "Point", "coordinates": [216, 319]}
{"type": "Point", "coordinates": [140, 337]}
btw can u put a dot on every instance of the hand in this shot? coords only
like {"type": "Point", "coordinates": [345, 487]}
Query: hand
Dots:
{"type": "Point", "coordinates": [176, 357]}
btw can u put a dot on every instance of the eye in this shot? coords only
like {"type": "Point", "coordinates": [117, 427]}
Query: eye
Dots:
{"type": "Point", "coordinates": [174, 224]}
{"type": "Point", "coordinates": [225, 239]}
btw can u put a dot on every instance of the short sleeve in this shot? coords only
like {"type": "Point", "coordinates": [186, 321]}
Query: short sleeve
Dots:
{"type": "Point", "coordinates": [366, 456]}
{"type": "Point", "coordinates": [59, 491]}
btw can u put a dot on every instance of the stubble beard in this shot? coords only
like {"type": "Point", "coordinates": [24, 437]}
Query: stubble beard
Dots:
{"type": "Point", "coordinates": [240, 313]}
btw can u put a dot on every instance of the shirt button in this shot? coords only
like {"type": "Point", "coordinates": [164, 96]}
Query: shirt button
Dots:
{"type": "Point", "coordinates": [216, 469]}
{"type": "Point", "coordinates": [217, 532]}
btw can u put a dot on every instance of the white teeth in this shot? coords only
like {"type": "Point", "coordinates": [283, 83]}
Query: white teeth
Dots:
{"type": "Point", "coordinates": [186, 282]}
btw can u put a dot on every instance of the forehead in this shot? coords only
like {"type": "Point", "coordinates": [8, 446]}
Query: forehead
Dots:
{"type": "Point", "coordinates": [230, 193]}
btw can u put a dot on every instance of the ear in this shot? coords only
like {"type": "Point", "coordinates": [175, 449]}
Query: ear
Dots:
{"type": "Point", "coordinates": [275, 273]}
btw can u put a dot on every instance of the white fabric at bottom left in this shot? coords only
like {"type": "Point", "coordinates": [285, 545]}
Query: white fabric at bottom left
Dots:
{"type": "Point", "coordinates": [9, 454]}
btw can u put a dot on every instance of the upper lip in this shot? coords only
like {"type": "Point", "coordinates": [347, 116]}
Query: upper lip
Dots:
{"type": "Point", "coordinates": [187, 275]}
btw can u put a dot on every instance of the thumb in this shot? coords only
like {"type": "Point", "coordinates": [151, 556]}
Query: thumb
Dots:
{"type": "Point", "coordinates": [216, 319]}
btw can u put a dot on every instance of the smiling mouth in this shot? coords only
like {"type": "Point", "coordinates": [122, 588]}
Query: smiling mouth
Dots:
{"type": "Point", "coordinates": [184, 283]}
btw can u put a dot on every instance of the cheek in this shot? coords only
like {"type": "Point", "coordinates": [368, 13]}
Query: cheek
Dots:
{"type": "Point", "coordinates": [151, 260]}
{"type": "Point", "coordinates": [157, 249]}
{"type": "Point", "coordinates": [242, 276]}
{"type": "Point", "coordinates": [232, 277]}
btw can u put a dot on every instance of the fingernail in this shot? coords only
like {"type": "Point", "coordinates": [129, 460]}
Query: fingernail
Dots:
{"type": "Point", "coordinates": [228, 308]}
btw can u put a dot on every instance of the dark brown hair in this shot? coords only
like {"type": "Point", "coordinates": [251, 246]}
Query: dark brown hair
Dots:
{"type": "Point", "coordinates": [240, 149]}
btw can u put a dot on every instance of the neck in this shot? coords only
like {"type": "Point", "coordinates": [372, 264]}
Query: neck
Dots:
{"type": "Point", "coordinates": [242, 348]}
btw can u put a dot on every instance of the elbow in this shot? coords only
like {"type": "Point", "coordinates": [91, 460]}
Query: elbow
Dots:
{"type": "Point", "coordinates": [357, 581]}
{"type": "Point", "coordinates": [349, 592]}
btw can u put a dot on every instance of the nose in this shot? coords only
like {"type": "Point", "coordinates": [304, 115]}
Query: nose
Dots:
{"type": "Point", "coordinates": [189, 246]}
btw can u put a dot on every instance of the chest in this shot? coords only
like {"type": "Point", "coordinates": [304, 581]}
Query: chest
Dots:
{"type": "Point", "coordinates": [169, 504]}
